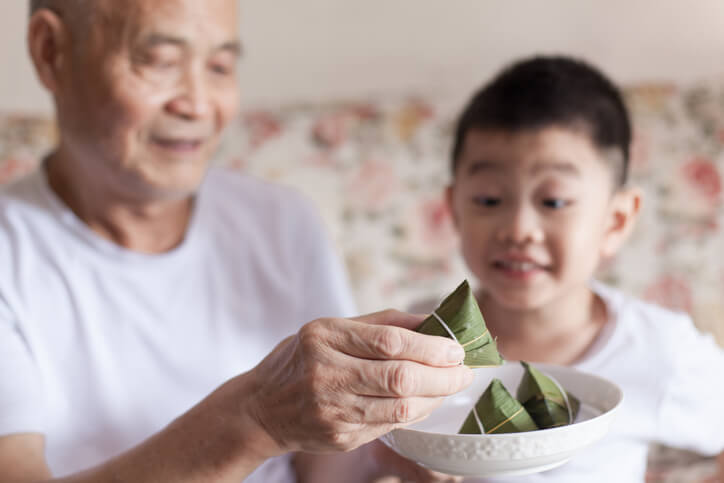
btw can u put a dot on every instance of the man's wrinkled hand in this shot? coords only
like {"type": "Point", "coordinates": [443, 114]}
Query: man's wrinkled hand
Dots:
{"type": "Point", "coordinates": [340, 383]}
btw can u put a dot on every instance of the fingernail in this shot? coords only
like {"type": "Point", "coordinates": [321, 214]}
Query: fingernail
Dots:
{"type": "Point", "coordinates": [456, 353]}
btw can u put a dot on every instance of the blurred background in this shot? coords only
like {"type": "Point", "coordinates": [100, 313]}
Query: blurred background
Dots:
{"type": "Point", "coordinates": [322, 50]}
{"type": "Point", "coordinates": [353, 102]}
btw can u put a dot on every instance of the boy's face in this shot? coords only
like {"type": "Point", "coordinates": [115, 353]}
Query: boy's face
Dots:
{"type": "Point", "coordinates": [536, 211]}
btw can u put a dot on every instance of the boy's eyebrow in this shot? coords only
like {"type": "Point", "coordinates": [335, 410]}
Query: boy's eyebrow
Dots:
{"type": "Point", "coordinates": [478, 166]}
{"type": "Point", "coordinates": [563, 167]}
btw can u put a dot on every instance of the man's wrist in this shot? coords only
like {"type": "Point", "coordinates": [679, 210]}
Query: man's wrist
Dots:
{"type": "Point", "coordinates": [232, 441]}
{"type": "Point", "coordinates": [239, 402]}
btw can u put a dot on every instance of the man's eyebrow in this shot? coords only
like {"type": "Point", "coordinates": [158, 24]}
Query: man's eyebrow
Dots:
{"type": "Point", "coordinates": [563, 167]}
{"type": "Point", "coordinates": [232, 46]}
{"type": "Point", "coordinates": [155, 39]}
{"type": "Point", "coordinates": [480, 166]}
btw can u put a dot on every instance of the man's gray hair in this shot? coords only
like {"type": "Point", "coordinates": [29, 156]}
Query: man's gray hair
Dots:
{"type": "Point", "coordinates": [76, 14]}
{"type": "Point", "coordinates": [36, 5]}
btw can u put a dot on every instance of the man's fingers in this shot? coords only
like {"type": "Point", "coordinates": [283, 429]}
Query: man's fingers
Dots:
{"type": "Point", "coordinates": [385, 342]}
{"type": "Point", "coordinates": [392, 317]}
{"type": "Point", "coordinates": [390, 412]}
{"type": "Point", "coordinates": [406, 379]}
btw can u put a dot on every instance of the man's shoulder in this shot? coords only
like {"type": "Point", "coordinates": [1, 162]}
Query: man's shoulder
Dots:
{"type": "Point", "coordinates": [235, 202]}
{"type": "Point", "coordinates": [230, 188]}
{"type": "Point", "coordinates": [23, 202]}
{"type": "Point", "coordinates": [29, 226]}
{"type": "Point", "coordinates": [20, 189]}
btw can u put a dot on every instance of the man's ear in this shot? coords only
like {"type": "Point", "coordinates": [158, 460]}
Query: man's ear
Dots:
{"type": "Point", "coordinates": [624, 211]}
{"type": "Point", "coordinates": [449, 192]}
{"type": "Point", "coordinates": [48, 43]}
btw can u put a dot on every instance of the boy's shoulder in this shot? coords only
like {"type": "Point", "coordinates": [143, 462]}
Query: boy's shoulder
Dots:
{"type": "Point", "coordinates": [633, 310]}
{"type": "Point", "coordinates": [664, 365]}
{"type": "Point", "coordinates": [656, 327]}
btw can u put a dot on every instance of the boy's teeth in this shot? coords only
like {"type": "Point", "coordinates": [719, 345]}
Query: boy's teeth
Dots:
{"type": "Point", "coordinates": [519, 266]}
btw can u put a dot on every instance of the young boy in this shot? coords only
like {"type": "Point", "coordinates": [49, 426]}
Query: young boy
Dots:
{"type": "Point", "coordinates": [540, 198]}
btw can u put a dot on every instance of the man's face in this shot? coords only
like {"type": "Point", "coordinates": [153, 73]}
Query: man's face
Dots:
{"type": "Point", "coordinates": [145, 99]}
{"type": "Point", "coordinates": [532, 209]}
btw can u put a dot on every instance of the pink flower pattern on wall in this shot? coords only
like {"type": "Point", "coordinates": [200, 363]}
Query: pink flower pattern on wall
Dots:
{"type": "Point", "coordinates": [703, 177]}
{"type": "Point", "coordinates": [670, 292]}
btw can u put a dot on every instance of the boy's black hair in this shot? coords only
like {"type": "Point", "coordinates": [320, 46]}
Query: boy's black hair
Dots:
{"type": "Point", "coordinates": [544, 91]}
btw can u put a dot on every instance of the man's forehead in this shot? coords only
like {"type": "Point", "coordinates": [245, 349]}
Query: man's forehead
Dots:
{"type": "Point", "coordinates": [215, 19]}
{"type": "Point", "coordinates": [163, 8]}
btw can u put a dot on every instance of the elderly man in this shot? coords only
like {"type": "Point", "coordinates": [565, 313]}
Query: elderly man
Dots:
{"type": "Point", "coordinates": [143, 297]}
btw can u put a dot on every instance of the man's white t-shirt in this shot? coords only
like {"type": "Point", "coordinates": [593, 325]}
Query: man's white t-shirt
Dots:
{"type": "Point", "coordinates": [101, 347]}
{"type": "Point", "coordinates": [672, 377]}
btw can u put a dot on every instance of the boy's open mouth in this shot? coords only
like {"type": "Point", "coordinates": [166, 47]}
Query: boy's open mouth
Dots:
{"type": "Point", "coordinates": [517, 266]}
{"type": "Point", "coordinates": [519, 269]}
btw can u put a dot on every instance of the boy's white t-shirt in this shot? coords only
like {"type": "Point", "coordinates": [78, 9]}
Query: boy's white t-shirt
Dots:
{"type": "Point", "coordinates": [671, 377]}
{"type": "Point", "coordinates": [101, 347]}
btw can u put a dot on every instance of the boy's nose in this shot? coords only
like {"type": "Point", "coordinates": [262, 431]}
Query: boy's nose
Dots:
{"type": "Point", "coordinates": [521, 227]}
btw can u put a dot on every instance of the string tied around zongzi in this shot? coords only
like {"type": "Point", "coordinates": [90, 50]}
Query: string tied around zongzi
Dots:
{"type": "Point", "coordinates": [445, 326]}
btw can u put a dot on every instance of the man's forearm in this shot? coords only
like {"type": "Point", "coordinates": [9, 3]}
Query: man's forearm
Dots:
{"type": "Point", "coordinates": [371, 463]}
{"type": "Point", "coordinates": [351, 467]}
{"type": "Point", "coordinates": [216, 441]}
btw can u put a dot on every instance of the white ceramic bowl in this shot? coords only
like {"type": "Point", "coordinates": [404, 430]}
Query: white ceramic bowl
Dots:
{"type": "Point", "coordinates": [433, 443]}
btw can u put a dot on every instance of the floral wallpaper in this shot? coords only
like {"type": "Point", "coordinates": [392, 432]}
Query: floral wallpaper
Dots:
{"type": "Point", "coordinates": [377, 170]}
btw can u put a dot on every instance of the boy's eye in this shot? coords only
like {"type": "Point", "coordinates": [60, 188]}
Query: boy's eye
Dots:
{"type": "Point", "coordinates": [487, 201]}
{"type": "Point", "coordinates": [555, 203]}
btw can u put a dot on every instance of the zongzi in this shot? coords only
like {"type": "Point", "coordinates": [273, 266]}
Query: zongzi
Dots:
{"type": "Point", "coordinates": [497, 412]}
{"type": "Point", "coordinates": [458, 317]}
{"type": "Point", "coordinates": [545, 400]}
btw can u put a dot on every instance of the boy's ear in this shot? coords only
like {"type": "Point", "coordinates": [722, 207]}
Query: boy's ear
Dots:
{"type": "Point", "coordinates": [449, 192]}
{"type": "Point", "coordinates": [624, 211]}
{"type": "Point", "coordinates": [47, 43]}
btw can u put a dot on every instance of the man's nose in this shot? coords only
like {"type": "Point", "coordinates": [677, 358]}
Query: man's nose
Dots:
{"type": "Point", "coordinates": [521, 226]}
{"type": "Point", "coordinates": [192, 100]}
